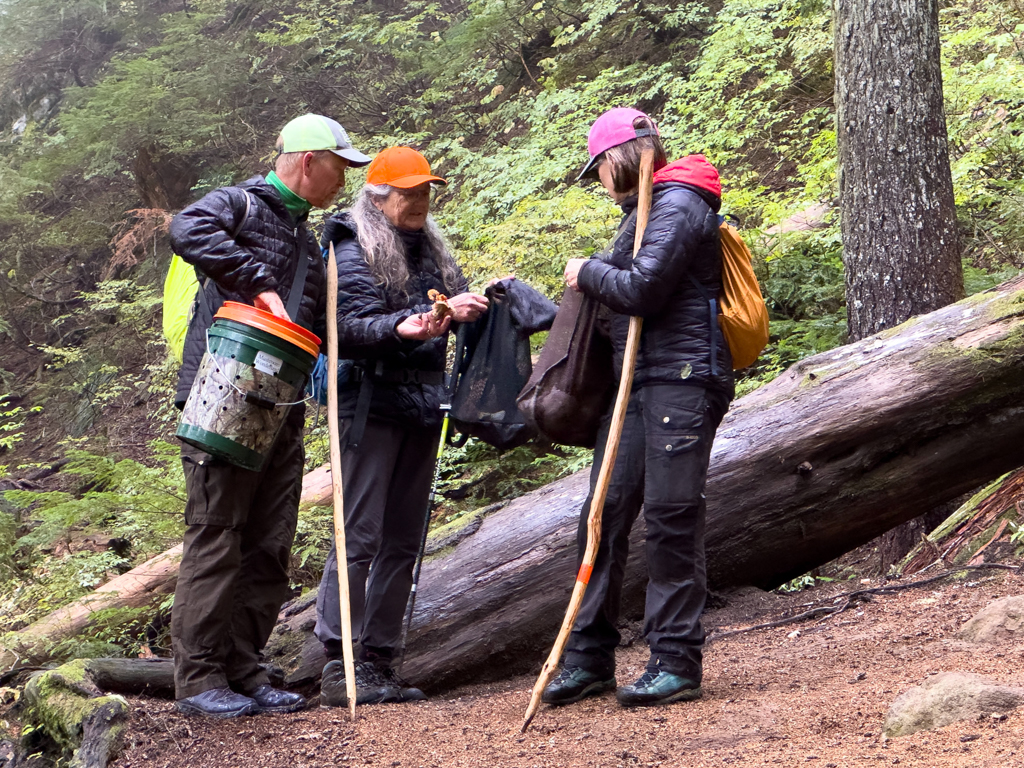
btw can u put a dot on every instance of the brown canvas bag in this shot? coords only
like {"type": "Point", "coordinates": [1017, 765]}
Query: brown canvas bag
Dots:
{"type": "Point", "coordinates": [572, 384]}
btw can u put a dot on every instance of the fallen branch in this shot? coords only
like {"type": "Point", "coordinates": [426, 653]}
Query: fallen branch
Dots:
{"type": "Point", "coordinates": [851, 597]}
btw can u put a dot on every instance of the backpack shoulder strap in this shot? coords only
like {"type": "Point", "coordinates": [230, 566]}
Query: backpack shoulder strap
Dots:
{"type": "Point", "coordinates": [204, 301]}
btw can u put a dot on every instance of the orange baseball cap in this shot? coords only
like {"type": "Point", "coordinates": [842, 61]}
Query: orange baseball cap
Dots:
{"type": "Point", "coordinates": [401, 167]}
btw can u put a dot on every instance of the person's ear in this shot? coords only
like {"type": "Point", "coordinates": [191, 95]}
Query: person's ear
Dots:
{"type": "Point", "coordinates": [307, 162]}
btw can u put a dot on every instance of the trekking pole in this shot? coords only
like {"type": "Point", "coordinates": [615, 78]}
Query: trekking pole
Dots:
{"type": "Point", "coordinates": [431, 499]}
{"type": "Point", "coordinates": [339, 499]}
{"type": "Point", "coordinates": [611, 450]}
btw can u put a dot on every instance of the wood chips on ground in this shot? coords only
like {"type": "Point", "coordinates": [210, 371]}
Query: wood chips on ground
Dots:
{"type": "Point", "coordinates": [808, 694]}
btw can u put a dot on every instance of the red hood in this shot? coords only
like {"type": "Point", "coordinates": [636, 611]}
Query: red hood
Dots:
{"type": "Point", "coordinates": [692, 169]}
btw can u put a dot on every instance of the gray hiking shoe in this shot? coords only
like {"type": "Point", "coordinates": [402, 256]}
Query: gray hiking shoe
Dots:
{"type": "Point", "coordinates": [371, 686]}
{"type": "Point", "coordinates": [656, 686]}
{"type": "Point", "coordinates": [575, 683]}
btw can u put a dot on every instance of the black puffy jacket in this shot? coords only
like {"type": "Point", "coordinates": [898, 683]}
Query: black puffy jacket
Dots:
{"type": "Point", "coordinates": [262, 257]}
{"type": "Point", "coordinates": [681, 242]}
{"type": "Point", "coordinates": [367, 317]}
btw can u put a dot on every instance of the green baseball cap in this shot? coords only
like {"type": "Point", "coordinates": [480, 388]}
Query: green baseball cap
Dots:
{"type": "Point", "coordinates": [310, 133]}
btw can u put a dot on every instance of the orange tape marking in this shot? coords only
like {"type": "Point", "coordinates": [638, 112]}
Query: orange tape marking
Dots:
{"type": "Point", "coordinates": [584, 574]}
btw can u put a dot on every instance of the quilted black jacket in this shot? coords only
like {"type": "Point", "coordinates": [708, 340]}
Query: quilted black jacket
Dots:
{"type": "Point", "coordinates": [367, 317]}
{"type": "Point", "coordinates": [681, 241]}
{"type": "Point", "coordinates": [261, 258]}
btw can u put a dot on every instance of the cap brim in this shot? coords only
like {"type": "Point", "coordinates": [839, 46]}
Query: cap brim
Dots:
{"type": "Point", "coordinates": [589, 170]}
{"type": "Point", "coordinates": [408, 182]}
{"type": "Point", "coordinates": [355, 158]}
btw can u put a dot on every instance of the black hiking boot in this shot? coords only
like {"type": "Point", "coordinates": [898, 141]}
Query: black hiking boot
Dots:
{"type": "Point", "coordinates": [219, 703]}
{"type": "Point", "coordinates": [574, 683]}
{"type": "Point", "coordinates": [272, 700]}
{"type": "Point", "coordinates": [406, 692]}
{"type": "Point", "coordinates": [656, 686]}
{"type": "Point", "coordinates": [371, 686]}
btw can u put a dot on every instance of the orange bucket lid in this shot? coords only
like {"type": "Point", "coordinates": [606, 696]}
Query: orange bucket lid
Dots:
{"type": "Point", "coordinates": [265, 321]}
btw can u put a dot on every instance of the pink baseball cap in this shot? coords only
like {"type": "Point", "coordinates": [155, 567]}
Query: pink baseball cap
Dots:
{"type": "Point", "coordinates": [612, 128]}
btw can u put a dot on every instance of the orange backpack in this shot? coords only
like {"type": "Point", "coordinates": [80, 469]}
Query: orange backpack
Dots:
{"type": "Point", "coordinates": [743, 316]}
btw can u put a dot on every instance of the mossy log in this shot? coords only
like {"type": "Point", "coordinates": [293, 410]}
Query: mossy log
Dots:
{"type": "Point", "coordinates": [973, 528]}
{"type": "Point", "coordinates": [67, 707]}
{"type": "Point", "coordinates": [842, 447]}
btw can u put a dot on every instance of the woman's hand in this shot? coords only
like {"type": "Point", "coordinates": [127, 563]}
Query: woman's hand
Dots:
{"type": "Point", "coordinates": [422, 327]}
{"type": "Point", "coordinates": [467, 307]}
{"type": "Point", "coordinates": [572, 272]}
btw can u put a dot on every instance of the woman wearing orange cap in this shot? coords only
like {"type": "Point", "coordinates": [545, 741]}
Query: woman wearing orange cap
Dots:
{"type": "Point", "coordinates": [390, 254]}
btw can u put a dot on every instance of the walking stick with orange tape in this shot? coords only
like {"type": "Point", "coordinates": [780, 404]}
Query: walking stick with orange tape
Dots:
{"type": "Point", "coordinates": [610, 452]}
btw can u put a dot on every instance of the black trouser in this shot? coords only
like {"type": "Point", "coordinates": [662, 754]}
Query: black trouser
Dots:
{"type": "Point", "coordinates": [386, 482]}
{"type": "Point", "coordinates": [234, 567]}
{"type": "Point", "coordinates": [662, 463]}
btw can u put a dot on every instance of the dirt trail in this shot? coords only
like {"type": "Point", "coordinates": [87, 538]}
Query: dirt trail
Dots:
{"type": "Point", "coordinates": [771, 697]}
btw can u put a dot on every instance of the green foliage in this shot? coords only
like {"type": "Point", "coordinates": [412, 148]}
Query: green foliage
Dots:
{"type": "Point", "coordinates": [12, 422]}
{"type": "Point", "coordinates": [314, 537]}
{"type": "Point", "coordinates": [983, 85]}
{"type": "Point", "coordinates": [802, 280]}
{"type": "Point", "coordinates": [138, 503]}
{"type": "Point", "coordinates": [477, 474]}
{"type": "Point", "coordinates": [800, 583]}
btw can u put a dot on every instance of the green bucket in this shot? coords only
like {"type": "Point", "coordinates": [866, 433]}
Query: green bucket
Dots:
{"type": "Point", "coordinates": [246, 383]}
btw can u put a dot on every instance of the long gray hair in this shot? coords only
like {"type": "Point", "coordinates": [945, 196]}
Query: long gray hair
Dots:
{"type": "Point", "coordinates": [384, 250]}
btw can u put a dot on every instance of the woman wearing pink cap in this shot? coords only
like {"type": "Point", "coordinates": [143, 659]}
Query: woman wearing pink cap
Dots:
{"type": "Point", "coordinates": [682, 387]}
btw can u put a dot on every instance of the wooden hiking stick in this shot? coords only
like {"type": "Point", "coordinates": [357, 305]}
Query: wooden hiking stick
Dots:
{"type": "Point", "coordinates": [611, 450]}
{"type": "Point", "coordinates": [339, 500]}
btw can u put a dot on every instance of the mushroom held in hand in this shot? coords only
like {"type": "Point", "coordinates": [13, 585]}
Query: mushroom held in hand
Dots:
{"type": "Point", "coordinates": [441, 307]}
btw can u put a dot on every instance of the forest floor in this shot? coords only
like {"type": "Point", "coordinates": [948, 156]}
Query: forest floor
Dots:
{"type": "Point", "coordinates": [812, 693]}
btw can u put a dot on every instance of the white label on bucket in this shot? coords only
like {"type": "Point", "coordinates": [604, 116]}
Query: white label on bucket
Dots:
{"type": "Point", "coordinates": [267, 363]}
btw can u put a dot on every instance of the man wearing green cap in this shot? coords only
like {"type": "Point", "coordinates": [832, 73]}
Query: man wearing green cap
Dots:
{"type": "Point", "coordinates": [248, 243]}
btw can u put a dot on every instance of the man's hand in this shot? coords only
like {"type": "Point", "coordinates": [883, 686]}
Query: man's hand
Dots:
{"type": "Point", "coordinates": [572, 272]}
{"type": "Point", "coordinates": [467, 307]}
{"type": "Point", "coordinates": [271, 302]}
{"type": "Point", "coordinates": [423, 327]}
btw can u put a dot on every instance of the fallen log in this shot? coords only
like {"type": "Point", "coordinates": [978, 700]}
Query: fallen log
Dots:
{"type": "Point", "coordinates": [842, 447]}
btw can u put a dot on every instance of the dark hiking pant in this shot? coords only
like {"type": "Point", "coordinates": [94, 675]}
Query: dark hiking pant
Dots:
{"type": "Point", "coordinates": [234, 567]}
{"type": "Point", "coordinates": [386, 487]}
{"type": "Point", "coordinates": [662, 464]}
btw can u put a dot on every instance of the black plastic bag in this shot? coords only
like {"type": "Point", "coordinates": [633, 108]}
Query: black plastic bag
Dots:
{"type": "Point", "coordinates": [492, 364]}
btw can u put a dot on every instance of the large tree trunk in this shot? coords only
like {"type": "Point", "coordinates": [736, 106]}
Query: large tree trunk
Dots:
{"type": "Point", "coordinates": [843, 446]}
{"type": "Point", "coordinates": [900, 242]}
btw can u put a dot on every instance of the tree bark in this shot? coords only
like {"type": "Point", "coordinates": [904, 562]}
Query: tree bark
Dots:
{"type": "Point", "coordinates": [900, 241]}
{"type": "Point", "coordinates": [842, 447]}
